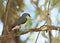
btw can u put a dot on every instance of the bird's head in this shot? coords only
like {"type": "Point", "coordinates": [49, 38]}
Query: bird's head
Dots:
{"type": "Point", "coordinates": [26, 15]}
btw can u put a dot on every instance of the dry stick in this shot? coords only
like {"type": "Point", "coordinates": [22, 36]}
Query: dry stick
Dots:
{"type": "Point", "coordinates": [44, 24]}
{"type": "Point", "coordinates": [40, 27]}
{"type": "Point", "coordinates": [49, 24]}
{"type": "Point", "coordinates": [35, 30]}
{"type": "Point", "coordinates": [39, 33]}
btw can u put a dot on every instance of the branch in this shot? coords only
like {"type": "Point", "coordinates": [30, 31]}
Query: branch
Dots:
{"type": "Point", "coordinates": [6, 17]}
{"type": "Point", "coordinates": [39, 33]}
{"type": "Point", "coordinates": [41, 29]}
{"type": "Point", "coordinates": [34, 30]}
{"type": "Point", "coordinates": [53, 5]}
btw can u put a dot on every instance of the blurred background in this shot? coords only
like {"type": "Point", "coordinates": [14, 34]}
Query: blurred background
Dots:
{"type": "Point", "coordinates": [42, 12]}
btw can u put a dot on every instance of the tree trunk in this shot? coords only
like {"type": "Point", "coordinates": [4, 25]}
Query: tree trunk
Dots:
{"type": "Point", "coordinates": [9, 38]}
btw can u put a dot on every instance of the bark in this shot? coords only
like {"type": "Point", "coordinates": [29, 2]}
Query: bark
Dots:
{"type": "Point", "coordinates": [8, 36]}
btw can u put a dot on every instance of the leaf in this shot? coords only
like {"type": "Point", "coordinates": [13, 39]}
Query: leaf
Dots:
{"type": "Point", "coordinates": [43, 34]}
{"type": "Point", "coordinates": [55, 3]}
{"type": "Point", "coordinates": [32, 37]}
{"type": "Point", "coordinates": [36, 14]}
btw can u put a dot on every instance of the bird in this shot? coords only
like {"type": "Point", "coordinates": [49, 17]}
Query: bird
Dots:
{"type": "Point", "coordinates": [21, 20]}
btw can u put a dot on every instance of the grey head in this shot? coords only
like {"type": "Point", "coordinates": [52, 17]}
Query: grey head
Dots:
{"type": "Point", "coordinates": [26, 15]}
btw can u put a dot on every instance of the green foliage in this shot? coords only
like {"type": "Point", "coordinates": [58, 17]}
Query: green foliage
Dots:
{"type": "Point", "coordinates": [29, 23]}
{"type": "Point", "coordinates": [1, 2]}
{"type": "Point", "coordinates": [13, 13]}
{"type": "Point", "coordinates": [32, 36]}
{"type": "Point", "coordinates": [1, 9]}
{"type": "Point", "coordinates": [36, 13]}
{"type": "Point", "coordinates": [44, 35]}
{"type": "Point", "coordinates": [57, 18]}
{"type": "Point", "coordinates": [55, 3]}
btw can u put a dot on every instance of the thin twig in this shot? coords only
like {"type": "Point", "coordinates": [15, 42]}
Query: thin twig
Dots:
{"type": "Point", "coordinates": [53, 5]}
{"type": "Point", "coordinates": [39, 33]}
{"type": "Point", "coordinates": [35, 30]}
{"type": "Point", "coordinates": [49, 24]}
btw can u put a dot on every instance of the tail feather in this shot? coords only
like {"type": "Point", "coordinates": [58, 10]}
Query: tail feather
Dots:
{"type": "Point", "coordinates": [11, 27]}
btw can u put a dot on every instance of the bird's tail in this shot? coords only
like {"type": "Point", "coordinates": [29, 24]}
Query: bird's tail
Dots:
{"type": "Point", "coordinates": [11, 27]}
